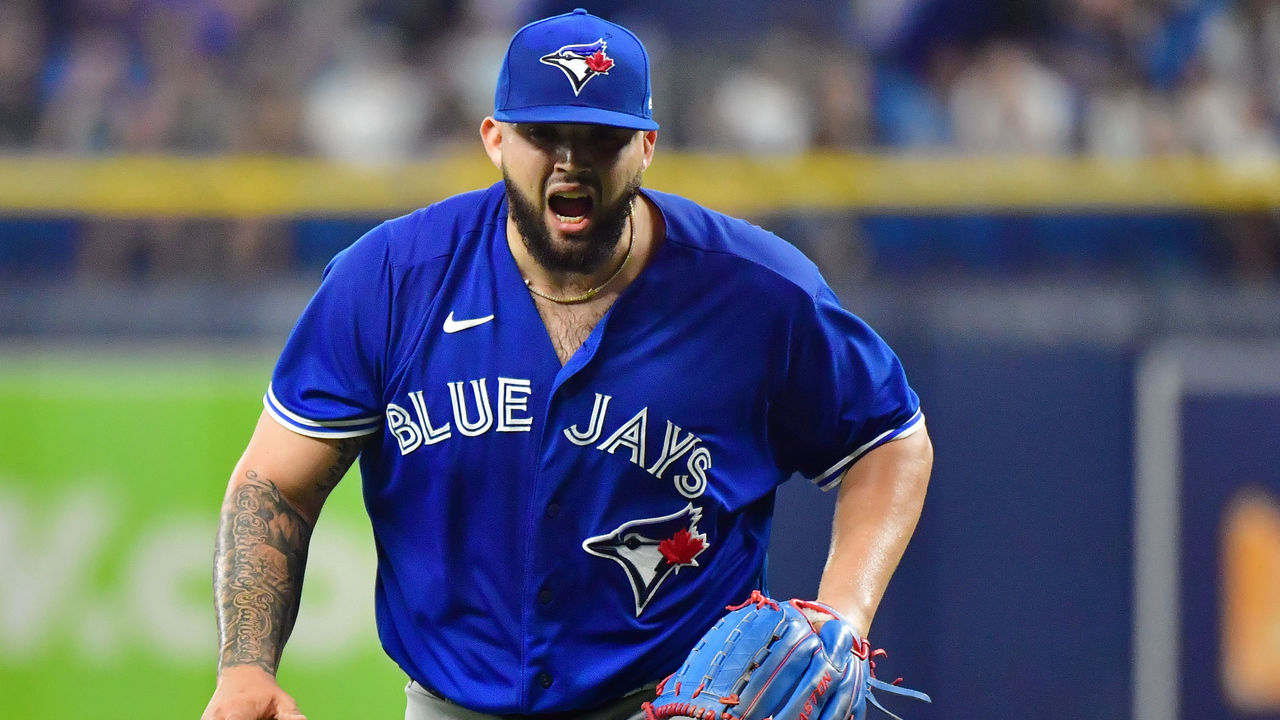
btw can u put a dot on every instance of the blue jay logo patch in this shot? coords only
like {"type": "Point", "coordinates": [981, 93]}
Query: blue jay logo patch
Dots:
{"type": "Point", "coordinates": [652, 549]}
{"type": "Point", "coordinates": [580, 63]}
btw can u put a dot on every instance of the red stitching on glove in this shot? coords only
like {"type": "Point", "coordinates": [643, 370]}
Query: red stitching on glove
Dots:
{"type": "Point", "coordinates": [698, 692]}
{"type": "Point", "coordinates": [662, 711]}
{"type": "Point", "coordinates": [862, 649]}
{"type": "Point", "coordinates": [758, 599]}
{"type": "Point", "coordinates": [817, 606]}
{"type": "Point", "coordinates": [870, 655]}
{"type": "Point", "coordinates": [675, 710]}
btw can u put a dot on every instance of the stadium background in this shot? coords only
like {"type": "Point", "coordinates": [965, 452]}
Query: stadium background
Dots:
{"type": "Point", "coordinates": [1062, 214]}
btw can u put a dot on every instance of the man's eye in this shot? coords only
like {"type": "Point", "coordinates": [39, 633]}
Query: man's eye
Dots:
{"type": "Point", "coordinates": [609, 139]}
{"type": "Point", "coordinates": [538, 135]}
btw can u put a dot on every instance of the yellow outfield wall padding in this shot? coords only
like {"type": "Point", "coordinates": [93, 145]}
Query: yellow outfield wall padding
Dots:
{"type": "Point", "coordinates": [255, 186]}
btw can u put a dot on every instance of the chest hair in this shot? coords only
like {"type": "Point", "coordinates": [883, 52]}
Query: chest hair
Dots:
{"type": "Point", "coordinates": [569, 325]}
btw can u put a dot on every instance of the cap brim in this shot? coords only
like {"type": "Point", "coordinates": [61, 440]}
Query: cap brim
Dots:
{"type": "Point", "coordinates": [575, 114]}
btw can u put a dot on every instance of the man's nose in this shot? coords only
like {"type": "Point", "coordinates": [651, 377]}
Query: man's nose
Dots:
{"type": "Point", "coordinates": [573, 153]}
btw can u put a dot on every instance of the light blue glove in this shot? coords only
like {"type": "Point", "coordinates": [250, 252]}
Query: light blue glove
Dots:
{"type": "Point", "coordinates": [765, 660]}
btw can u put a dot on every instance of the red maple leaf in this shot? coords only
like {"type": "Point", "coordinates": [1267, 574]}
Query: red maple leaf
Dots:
{"type": "Point", "coordinates": [681, 548]}
{"type": "Point", "coordinates": [599, 62]}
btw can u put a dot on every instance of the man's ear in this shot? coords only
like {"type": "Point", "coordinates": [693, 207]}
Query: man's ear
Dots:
{"type": "Point", "coordinates": [491, 136]}
{"type": "Point", "coordinates": [650, 141]}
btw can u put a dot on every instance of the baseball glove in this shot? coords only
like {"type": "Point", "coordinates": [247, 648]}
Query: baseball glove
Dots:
{"type": "Point", "coordinates": [765, 660]}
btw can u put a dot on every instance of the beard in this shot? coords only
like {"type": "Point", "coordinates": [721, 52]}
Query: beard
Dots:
{"type": "Point", "coordinates": [583, 254]}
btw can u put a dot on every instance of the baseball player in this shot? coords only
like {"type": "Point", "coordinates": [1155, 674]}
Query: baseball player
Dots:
{"type": "Point", "coordinates": [572, 400]}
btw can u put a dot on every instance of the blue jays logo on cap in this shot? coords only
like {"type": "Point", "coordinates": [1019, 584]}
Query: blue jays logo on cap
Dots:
{"type": "Point", "coordinates": [580, 63]}
{"type": "Point", "coordinates": [528, 92]}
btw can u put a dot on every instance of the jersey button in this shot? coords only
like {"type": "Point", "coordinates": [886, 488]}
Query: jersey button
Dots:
{"type": "Point", "coordinates": [545, 679]}
{"type": "Point", "coordinates": [545, 596]}
{"type": "Point", "coordinates": [553, 510]}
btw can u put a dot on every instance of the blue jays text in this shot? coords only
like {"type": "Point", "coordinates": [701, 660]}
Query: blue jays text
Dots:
{"type": "Point", "coordinates": [414, 428]}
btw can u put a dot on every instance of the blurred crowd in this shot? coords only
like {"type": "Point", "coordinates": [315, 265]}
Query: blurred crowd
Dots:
{"type": "Point", "coordinates": [387, 80]}
{"type": "Point", "coordinates": [382, 81]}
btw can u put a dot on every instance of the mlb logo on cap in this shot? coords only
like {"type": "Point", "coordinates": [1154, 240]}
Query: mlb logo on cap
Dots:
{"type": "Point", "coordinates": [575, 68]}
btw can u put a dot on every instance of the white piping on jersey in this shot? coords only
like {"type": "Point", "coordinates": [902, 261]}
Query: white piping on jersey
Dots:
{"type": "Point", "coordinates": [276, 414]}
{"type": "Point", "coordinates": [273, 404]}
{"type": "Point", "coordinates": [825, 480]}
{"type": "Point", "coordinates": [317, 423]}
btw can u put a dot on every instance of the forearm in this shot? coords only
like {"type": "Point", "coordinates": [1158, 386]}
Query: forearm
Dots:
{"type": "Point", "coordinates": [880, 501]}
{"type": "Point", "coordinates": [258, 569]}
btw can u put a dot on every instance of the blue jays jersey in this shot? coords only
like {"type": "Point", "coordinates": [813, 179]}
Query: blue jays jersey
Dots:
{"type": "Point", "coordinates": [552, 537]}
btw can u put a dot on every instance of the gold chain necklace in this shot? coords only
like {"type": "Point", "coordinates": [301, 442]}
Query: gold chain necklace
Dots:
{"type": "Point", "coordinates": [576, 299]}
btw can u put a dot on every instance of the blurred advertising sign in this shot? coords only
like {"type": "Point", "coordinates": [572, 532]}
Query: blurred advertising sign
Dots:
{"type": "Point", "coordinates": [1251, 602]}
{"type": "Point", "coordinates": [112, 469]}
{"type": "Point", "coordinates": [1207, 532]}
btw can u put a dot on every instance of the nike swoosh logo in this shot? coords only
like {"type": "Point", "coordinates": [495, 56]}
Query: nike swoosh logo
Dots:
{"type": "Point", "coordinates": [453, 326]}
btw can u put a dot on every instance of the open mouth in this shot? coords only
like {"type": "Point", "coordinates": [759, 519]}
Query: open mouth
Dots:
{"type": "Point", "coordinates": [572, 207]}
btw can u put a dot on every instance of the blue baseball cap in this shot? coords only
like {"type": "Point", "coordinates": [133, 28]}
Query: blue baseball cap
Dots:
{"type": "Point", "coordinates": [575, 68]}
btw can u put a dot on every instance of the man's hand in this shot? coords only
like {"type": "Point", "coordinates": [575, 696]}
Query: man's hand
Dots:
{"type": "Point", "coordinates": [247, 692]}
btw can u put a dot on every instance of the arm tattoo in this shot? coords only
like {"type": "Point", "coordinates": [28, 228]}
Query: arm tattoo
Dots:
{"type": "Point", "coordinates": [258, 567]}
{"type": "Point", "coordinates": [347, 449]}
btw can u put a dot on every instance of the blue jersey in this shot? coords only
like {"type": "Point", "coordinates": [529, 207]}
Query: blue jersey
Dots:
{"type": "Point", "coordinates": [552, 537]}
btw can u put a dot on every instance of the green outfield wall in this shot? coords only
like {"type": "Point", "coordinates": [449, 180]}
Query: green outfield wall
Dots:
{"type": "Point", "coordinates": [112, 468]}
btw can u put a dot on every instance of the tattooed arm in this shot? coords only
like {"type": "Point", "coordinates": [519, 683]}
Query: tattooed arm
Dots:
{"type": "Point", "coordinates": [271, 505]}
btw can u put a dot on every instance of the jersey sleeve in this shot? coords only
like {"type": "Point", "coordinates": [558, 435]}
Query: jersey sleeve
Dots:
{"type": "Point", "coordinates": [328, 379]}
{"type": "Point", "coordinates": [845, 393]}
